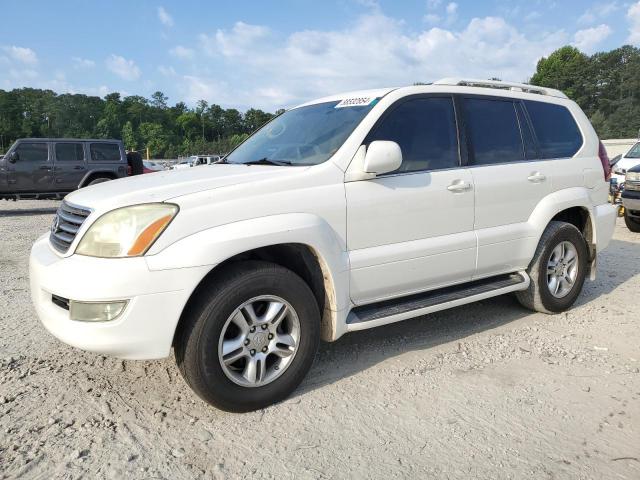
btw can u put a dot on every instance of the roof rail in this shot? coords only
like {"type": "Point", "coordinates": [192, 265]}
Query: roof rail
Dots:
{"type": "Point", "coordinates": [518, 87]}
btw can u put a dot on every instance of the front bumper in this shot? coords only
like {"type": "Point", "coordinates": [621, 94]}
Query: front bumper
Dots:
{"type": "Point", "coordinates": [146, 327]}
{"type": "Point", "coordinates": [631, 200]}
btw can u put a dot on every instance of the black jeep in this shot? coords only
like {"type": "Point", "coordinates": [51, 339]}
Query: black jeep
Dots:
{"type": "Point", "coordinates": [53, 167]}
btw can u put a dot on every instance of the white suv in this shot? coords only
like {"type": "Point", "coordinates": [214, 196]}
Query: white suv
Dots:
{"type": "Point", "coordinates": [344, 213]}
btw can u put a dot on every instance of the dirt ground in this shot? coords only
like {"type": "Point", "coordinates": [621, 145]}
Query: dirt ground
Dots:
{"type": "Point", "coordinates": [488, 390]}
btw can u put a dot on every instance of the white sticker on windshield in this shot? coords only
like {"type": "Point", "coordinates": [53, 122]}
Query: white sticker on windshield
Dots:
{"type": "Point", "coordinates": [355, 102]}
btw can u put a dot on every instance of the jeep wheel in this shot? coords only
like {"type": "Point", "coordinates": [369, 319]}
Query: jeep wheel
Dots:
{"type": "Point", "coordinates": [633, 224]}
{"type": "Point", "coordinates": [98, 180]}
{"type": "Point", "coordinates": [557, 271]}
{"type": "Point", "coordinates": [249, 338]}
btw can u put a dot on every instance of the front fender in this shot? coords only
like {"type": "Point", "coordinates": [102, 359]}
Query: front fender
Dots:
{"type": "Point", "coordinates": [215, 245]}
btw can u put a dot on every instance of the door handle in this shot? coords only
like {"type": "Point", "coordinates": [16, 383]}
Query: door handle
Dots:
{"type": "Point", "coordinates": [536, 177]}
{"type": "Point", "coordinates": [459, 186]}
{"type": "Point", "coordinates": [78, 167]}
{"type": "Point", "coordinates": [45, 167]}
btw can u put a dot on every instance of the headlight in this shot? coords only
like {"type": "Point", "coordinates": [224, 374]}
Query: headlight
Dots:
{"type": "Point", "coordinates": [632, 177]}
{"type": "Point", "coordinates": [128, 231]}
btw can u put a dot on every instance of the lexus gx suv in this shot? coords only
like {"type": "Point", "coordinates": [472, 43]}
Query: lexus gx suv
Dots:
{"type": "Point", "coordinates": [344, 213]}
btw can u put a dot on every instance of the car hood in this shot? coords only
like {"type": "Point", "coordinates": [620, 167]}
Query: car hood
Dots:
{"type": "Point", "coordinates": [165, 185]}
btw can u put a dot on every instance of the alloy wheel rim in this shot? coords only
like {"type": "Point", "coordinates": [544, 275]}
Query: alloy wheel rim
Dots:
{"type": "Point", "coordinates": [259, 341]}
{"type": "Point", "coordinates": [562, 269]}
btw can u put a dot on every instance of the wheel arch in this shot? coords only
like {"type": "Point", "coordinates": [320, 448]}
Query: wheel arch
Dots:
{"type": "Point", "coordinates": [93, 174]}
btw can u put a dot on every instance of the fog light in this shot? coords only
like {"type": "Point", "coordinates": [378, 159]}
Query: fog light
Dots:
{"type": "Point", "coordinates": [96, 311]}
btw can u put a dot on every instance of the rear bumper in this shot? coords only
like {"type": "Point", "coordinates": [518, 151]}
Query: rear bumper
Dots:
{"type": "Point", "coordinates": [604, 217]}
{"type": "Point", "coordinates": [144, 330]}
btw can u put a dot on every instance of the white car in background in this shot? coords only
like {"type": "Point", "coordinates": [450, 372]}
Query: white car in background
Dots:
{"type": "Point", "coordinates": [627, 161]}
{"type": "Point", "coordinates": [345, 213]}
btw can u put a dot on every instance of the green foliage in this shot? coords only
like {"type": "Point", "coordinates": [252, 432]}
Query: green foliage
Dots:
{"type": "Point", "coordinates": [141, 123]}
{"type": "Point", "coordinates": [605, 85]}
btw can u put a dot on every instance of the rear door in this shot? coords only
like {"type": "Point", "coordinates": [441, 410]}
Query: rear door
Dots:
{"type": "Point", "coordinates": [33, 170]}
{"type": "Point", "coordinates": [70, 163]}
{"type": "Point", "coordinates": [510, 180]}
{"type": "Point", "coordinates": [107, 156]}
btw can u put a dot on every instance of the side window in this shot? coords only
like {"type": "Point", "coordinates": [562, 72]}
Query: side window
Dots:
{"type": "Point", "coordinates": [527, 136]}
{"type": "Point", "coordinates": [105, 152]}
{"type": "Point", "coordinates": [69, 152]}
{"type": "Point", "coordinates": [557, 132]}
{"type": "Point", "coordinates": [494, 131]}
{"type": "Point", "coordinates": [425, 129]}
{"type": "Point", "coordinates": [33, 152]}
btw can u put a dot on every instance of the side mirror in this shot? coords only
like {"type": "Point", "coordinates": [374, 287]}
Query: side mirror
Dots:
{"type": "Point", "coordinates": [614, 160]}
{"type": "Point", "coordinates": [382, 156]}
{"type": "Point", "coordinates": [13, 157]}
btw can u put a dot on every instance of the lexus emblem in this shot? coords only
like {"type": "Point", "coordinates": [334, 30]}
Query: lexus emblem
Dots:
{"type": "Point", "coordinates": [56, 224]}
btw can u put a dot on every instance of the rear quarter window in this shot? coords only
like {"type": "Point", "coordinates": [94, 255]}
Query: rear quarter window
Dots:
{"type": "Point", "coordinates": [556, 129]}
{"type": "Point", "coordinates": [105, 152]}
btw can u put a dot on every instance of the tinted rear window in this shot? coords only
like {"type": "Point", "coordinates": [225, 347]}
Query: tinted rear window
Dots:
{"type": "Point", "coordinates": [557, 132]}
{"type": "Point", "coordinates": [69, 152]}
{"type": "Point", "coordinates": [105, 152]}
{"type": "Point", "coordinates": [494, 131]}
{"type": "Point", "coordinates": [426, 131]}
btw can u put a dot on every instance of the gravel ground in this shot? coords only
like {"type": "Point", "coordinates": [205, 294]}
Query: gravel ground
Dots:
{"type": "Point", "coordinates": [482, 391]}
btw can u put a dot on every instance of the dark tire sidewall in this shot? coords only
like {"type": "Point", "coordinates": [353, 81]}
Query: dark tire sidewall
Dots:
{"type": "Point", "coordinates": [97, 181]}
{"type": "Point", "coordinates": [216, 387]}
{"type": "Point", "coordinates": [571, 234]}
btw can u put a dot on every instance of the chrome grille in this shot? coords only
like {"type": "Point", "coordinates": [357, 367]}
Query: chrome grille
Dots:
{"type": "Point", "coordinates": [66, 224]}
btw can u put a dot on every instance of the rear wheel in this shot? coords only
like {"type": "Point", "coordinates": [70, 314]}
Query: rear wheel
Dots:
{"type": "Point", "coordinates": [557, 271]}
{"type": "Point", "coordinates": [249, 340]}
{"type": "Point", "coordinates": [633, 224]}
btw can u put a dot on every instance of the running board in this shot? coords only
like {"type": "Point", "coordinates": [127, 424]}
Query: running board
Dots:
{"type": "Point", "coordinates": [397, 309]}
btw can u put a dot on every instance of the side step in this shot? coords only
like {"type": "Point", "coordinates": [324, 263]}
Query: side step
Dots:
{"type": "Point", "coordinates": [389, 311]}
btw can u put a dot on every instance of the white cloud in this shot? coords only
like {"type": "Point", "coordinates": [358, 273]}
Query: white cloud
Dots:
{"type": "Point", "coordinates": [433, 4]}
{"type": "Point", "coordinates": [633, 15]}
{"type": "Point", "coordinates": [432, 18]}
{"type": "Point", "coordinates": [268, 71]}
{"type": "Point", "coordinates": [598, 12]}
{"type": "Point", "coordinates": [182, 52]}
{"type": "Point", "coordinates": [82, 63]}
{"type": "Point", "coordinates": [123, 68]}
{"type": "Point", "coordinates": [242, 38]}
{"type": "Point", "coordinates": [164, 17]}
{"type": "Point", "coordinates": [21, 54]}
{"type": "Point", "coordinates": [452, 8]}
{"type": "Point", "coordinates": [587, 39]}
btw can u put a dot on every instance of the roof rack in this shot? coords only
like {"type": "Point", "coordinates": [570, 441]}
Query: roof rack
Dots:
{"type": "Point", "coordinates": [518, 87]}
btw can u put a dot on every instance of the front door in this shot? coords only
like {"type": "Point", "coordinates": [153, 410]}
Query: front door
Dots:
{"type": "Point", "coordinates": [32, 171]}
{"type": "Point", "coordinates": [412, 230]}
{"type": "Point", "coordinates": [71, 165]}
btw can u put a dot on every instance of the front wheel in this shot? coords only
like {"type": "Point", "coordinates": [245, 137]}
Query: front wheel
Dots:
{"type": "Point", "coordinates": [633, 224]}
{"type": "Point", "coordinates": [557, 271]}
{"type": "Point", "coordinates": [248, 341]}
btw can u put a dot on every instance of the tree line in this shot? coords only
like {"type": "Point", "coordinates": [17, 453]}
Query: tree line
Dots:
{"type": "Point", "coordinates": [606, 85]}
{"type": "Point", "coordinates": [168, 131]}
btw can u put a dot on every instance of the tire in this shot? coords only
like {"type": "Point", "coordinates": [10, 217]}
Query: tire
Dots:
{"type": "Point", "coordinates": [211, 316]}
{"type": "Point", "coordinates": [134, 159]}
{"type": "Point", "coordinates": [98, 180]}
{"type": "Point", "coordinates": [539, 296]}
{"type": "Point", "coordinates": [632, 223]}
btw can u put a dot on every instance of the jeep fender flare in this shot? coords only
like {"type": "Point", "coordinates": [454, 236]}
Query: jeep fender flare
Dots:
{"type": "Point", "coordinates": [213, 246]}
{"type": "Point", "coordinates": [91, 173]}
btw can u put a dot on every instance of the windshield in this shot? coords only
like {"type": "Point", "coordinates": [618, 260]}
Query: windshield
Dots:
{"type": "Point", "coordinates": [303, 136]}
{"type": "Point", "coordinates": [634, 152]}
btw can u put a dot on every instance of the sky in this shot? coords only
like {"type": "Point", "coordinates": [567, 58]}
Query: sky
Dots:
{"type": "Point", "coordinates": [275, 54]}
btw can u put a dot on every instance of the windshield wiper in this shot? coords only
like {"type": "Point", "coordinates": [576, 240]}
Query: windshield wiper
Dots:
{"type": "Point", "coordinates": [267, 161]}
